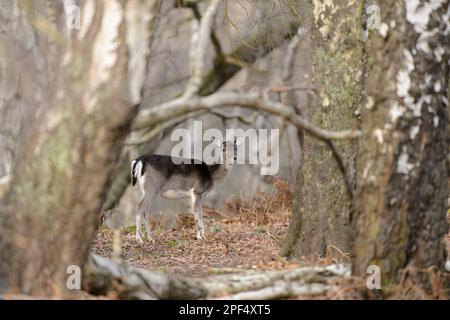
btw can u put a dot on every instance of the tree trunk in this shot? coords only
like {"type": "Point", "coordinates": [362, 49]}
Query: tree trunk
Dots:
{"type": "Point", "coordinates": [322, 205]}
{"type": "Point", "coordinates": [88, 99]}
{"type": "Point", "coordinates": [402, 171]}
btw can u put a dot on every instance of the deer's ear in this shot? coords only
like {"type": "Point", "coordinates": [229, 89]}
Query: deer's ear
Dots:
{"type": "Point", "coordinates": [217, 142]}
{"type": "Point", "coordinates": [238, 141]}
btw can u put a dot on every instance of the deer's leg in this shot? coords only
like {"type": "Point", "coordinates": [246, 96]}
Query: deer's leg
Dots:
{"type": "Point", "coordinates": [150, 197]}
{"type": "Point", "coordinates": [139, 222]}
{"type": "Point", "coordinates": [141, 207]}
{"type": "Point", "coordinates": [198, 214]}
{"type": "Point", "coordinates": [148, 228]}
{"type": "Point", "coordinates": [152, 192]}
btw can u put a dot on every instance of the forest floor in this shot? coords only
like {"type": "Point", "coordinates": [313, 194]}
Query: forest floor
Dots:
{"type": "Point", "coordinates": [241, 236]}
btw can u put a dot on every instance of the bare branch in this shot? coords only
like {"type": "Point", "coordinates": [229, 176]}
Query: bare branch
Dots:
{"type": "Point", "coordinates": [158, 129]}
{"type": "Point", "coordinates": [215, 41]}
{"type": "Point", "coordinates": [342, 167]}
{"type": "Point", "coordinates": [252, 46]}
{"type": "Point", "coordinates": [180, 106]}
{"type": "Point", "coordinates": [4, 184]}
{"type": "Point", "coordinates": [291, 88]}
{"type": "Point", "coordinates": [198, 52]}
{"type": "Point", "coordinates": [290, 54]}
{"type": "Point", "coordinates": [245, 120]}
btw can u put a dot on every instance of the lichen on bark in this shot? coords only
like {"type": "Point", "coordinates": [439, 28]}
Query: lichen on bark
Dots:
{"type": "Point", "coordinates": [322, 207]}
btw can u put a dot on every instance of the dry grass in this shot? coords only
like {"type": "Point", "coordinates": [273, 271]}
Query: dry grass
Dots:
{"type": "Point", "coordinates": [243, 235]}
{"type": "Point", "coordinates": [248, 235]}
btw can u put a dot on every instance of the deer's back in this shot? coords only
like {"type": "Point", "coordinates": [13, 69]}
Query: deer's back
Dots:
{"type": "Point", "coordinates": [170, 174]}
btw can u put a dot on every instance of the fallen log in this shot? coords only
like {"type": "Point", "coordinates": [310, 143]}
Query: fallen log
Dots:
{"type": "Point", "coordinates": [104, 276]}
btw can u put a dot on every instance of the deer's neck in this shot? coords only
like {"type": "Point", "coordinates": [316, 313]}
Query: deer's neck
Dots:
{"type": "Point", "coordinates": [220, 172]}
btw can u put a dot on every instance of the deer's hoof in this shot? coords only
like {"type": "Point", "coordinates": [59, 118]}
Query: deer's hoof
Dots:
{"type": "Point", "coordinates": [200, 235]}
{"type": "Point", "coordinates": [139, 239]}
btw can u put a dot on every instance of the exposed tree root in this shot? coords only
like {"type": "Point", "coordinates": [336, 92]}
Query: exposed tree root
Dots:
{"type": "Point", "coordinates": [105, 276]}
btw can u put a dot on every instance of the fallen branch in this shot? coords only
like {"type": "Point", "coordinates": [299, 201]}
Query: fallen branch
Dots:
{"type": "Point", "coordinates": [105, 276]}
{"type": "Point", "coordinates": [280, 290]}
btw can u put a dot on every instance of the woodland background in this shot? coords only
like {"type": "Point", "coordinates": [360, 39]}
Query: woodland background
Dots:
{"type": "Point", "coordinates": [362, 105]}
